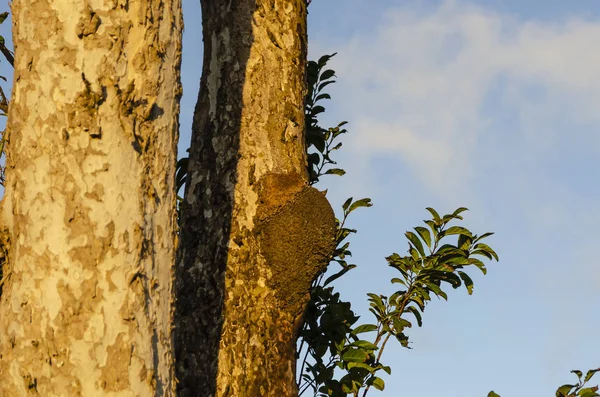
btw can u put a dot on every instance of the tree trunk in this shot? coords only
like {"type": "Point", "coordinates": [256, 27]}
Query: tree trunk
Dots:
{"type": "Point", "coordinates": [89, 205]}
{"type": "Point", "coordinates": [253, 234]}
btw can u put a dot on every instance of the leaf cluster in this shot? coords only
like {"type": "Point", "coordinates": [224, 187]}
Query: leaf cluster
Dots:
{"type": "Point", "coordinates": [432, 264]}
{"type": "Point", "coordinates": [578, 389]}
{"type": "Point", "coordinates": [320, 142]}
{"type": "Point", "coordinates": [328, 320]}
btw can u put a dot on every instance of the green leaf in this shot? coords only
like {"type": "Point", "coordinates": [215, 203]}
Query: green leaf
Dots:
{"type": "Point", "coordinates": [482, 253]}
{"type": "Point", "coordinates": [397, 280]}
{"type": "Point", "coordinates": [377, 383]}
{"type": "Point", "coordinates": [355, 355]}
{"type": "Point", "coordinates": [403, 339]}
{"type": "Point", "coordinates": [326, 75]}
{"type": "Point", "coordinates": [414, 254]}
{"type": "Point", "coordinates": [377, 302]}
{"type": "Point", "coordinates": [314, 158]}
{"type": "Point", "coordinates": [365, 202]}
{"type": "Point", "coordinates": [484, 235]}
{"type": "Point", "coordinates": [336, 147]}
{"type": "Point", "coordinates": [419, 301]}
{"type": "Point", "coordinates": [312, 66]}
{"type": "Point", "coordinates": [316, 110]}
{"type": "Point", "coordinates": [588, 392]}
{"type": "Point", "coordinates": [364, 328]}
{"type": "Point", "coordinates": [339, 274]}
{"type": "Point", "coordinates": [180, 177]}
{"type": "Point", "coordinates": [590, 374]}
{"type": "Point", "coordinates": [347, 385]}
{"type": "Point", "coordinates": [415, 311]}
{"type": "Point", "coordinates": [324, 59]}
{"type": "Point", "coordinates": [487, 248]}
{"type": "Point", "coordinates": [343, 233]}
{"type": "Point", "coordinates": [363, 344]}
{"type": "Point", "coordinates": [457, 213]}
{"type": "Point", "coordinates": [451, 279]}
{"type": "Point", "coordinates": [395, 296]}
{"type": "Point", "coordinates": [457, 230]}
{"type": "Point", "coordinates": [464, 242]}
{"type": "Point", "coordinates": [492, 394]}
{"type": "Point", "coordinates": [468, 282]}
{"type": "Point", "coordinates": [577, 372]}
{"type": "Point", "coordinates": [315, 138]}
{"type": "Point", "coordinates": [347, 204]}
{"type": "Point", "coordinates": [325, 84]}
{"type": "Point", "coordinates": [436, 290]}
{"type": "Point", "coordinates": [425, 235]}
{"type": "Point", "coordinates": [480, 265]}
{"type": "Point", "coordinates": [322, 96]}
{"type": "Point", "coordinates": [364, 366]}
{"type": "Point", "coordinates": [342, 251]}
{"type": "Point", "coordinates": [433, 228]}
{"type": "Point", "coordinates": [335, 171]}
{"type": "Point", "coordinates": [3, 16]}
{"type": "Point", "coordinates": [423, 293]}
{"type": "Point", "coordinates": [416, 243]}
{"type": "Point", "coordinates": [400, 324]}
{"type": "Point", "coordinates": [443, 267]}
{"type": "Point", "coordinates": [564, 390]}
{"type": "Point", "coordinates": [436, 216]}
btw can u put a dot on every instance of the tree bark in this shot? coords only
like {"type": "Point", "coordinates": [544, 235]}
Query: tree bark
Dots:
{"type": "Point", "coordinates": [253, 233]}
{"type": "Point", "coordinates": [90, 200]}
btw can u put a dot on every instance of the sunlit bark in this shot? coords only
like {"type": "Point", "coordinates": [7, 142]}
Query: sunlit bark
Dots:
{"type": "Point", "coordinates": [86, 308]}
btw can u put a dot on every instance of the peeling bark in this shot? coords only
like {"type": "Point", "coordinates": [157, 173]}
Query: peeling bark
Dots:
{"type": "Point", "coordinates": [90, 203]}
{"type": "Point", "coordinates": [253, 233]}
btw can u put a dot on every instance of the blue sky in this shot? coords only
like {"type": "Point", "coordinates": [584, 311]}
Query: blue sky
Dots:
{"type": "Point", "coordinates": [493, 105]}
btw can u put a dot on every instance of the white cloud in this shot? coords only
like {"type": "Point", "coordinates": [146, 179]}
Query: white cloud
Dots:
{"type": "Point", "coordinates": [438, 88]}
{"type": "Point", "coordinates": [502, 115]}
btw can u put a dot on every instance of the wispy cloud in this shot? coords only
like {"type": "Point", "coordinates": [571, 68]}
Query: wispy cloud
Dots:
{"type": "Point", "coordinates": [459, 89]}
{"type": "Point", "coordinates": [485, 109]}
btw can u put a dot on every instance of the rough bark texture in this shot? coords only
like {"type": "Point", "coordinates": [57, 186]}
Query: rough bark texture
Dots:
{"type": "Point", "coordinates": [89, 205]}
{"type": "Point", "coordinates": [254, 234]}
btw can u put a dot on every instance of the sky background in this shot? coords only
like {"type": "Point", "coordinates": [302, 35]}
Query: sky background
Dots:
{"type": "Point", "coordinates": [493, 105]}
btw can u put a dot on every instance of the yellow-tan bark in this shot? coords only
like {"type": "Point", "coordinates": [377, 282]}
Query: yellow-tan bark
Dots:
{"type": "Point", "coordinates": [86, 308]}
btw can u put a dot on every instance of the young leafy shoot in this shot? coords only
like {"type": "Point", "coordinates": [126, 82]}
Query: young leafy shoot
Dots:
{"type": "Point", "coordinates": [430, 264]}
{"type": "Point", "coordinates": [320, 142]}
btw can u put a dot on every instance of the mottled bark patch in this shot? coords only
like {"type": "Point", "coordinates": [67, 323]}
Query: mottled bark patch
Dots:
{"type": "Point", "coordinates": [115, 374]}
{"type": "Point", "coordinates": [90, 199]}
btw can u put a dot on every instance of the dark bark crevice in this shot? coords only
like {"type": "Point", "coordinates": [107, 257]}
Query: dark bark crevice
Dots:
{"type": "Point", "coordinates": [4, 257]}
{"type": "Point", "coordinates": [209, 198]}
